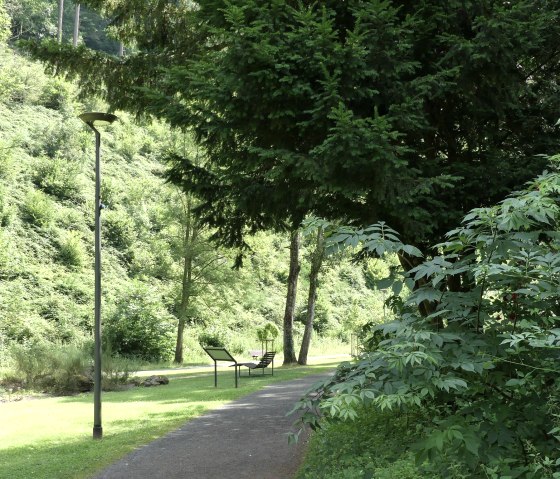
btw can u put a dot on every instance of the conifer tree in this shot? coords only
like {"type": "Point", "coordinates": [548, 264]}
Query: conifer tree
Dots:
{"type": "Point", "coordinates": [407, 112]}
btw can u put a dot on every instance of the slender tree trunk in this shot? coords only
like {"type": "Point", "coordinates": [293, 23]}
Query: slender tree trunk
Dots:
{"type": "Point", "coordinates": [183, 308]}
{"type": "Point", "coordinates": [60, 17]}
{"type": "Point", "coordinates": [316, 263]}
{"type": "Point", "coordinates": [426, 308]}
{"type": "Point", "coordinates": [121, 49]}
{"type": "Point", "coordinates": [76, 25]}
{"type": "Point", "coordinates": [289, 351]}
{"type": "Point", "coordinates": [190, 236]}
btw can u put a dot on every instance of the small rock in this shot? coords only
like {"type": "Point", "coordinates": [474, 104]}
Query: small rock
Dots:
{"type": "Point", "coordinates": [154, 381]}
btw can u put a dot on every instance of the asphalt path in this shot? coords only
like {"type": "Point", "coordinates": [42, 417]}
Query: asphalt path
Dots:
{"type": "Point", "coordinates": [243, 439]}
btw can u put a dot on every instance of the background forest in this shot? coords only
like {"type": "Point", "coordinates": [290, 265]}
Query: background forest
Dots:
{"type": "Point", "coordinates": [46, 235]}
{"type": "Point", "coordinates": [440, 118]}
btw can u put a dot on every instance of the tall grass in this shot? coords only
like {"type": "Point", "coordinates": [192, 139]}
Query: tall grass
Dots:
{"type": "Point", "coordinates": [375, 445]}
{"type": "Point", "coordinates": [60, 368]}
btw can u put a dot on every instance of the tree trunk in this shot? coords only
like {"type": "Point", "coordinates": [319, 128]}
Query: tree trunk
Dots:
{"type": "Point", "coordinates": [183, 308]}
{"type": "Point", "coordinates": [121, 49]}
{"type": "Point", "coordinates": [186, 289]}
{"type": "Point", "coordinates": [289, 352]}
{"type": "Point", "coordinates": [426, 308]}
{"type": "Point", "coordinates": [60, 17]}
{"type": "Point", "coordinates": [316, 262]}
{"type": "Point", "coordinates": [76, 25]}
{"type": "Point", "coordinates": [190, 236]}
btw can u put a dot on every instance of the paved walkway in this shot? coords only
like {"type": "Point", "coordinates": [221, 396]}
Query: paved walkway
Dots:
{"type": "Point", "coordinates": [243, 439]}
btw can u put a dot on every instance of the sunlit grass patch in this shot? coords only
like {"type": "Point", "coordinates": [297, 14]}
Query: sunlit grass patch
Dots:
{"type": "Point", "coordinates": [52, 437]}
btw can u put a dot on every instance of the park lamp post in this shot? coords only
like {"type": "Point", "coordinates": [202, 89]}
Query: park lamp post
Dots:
{"type": "Point", "coordinates": [93, 120]}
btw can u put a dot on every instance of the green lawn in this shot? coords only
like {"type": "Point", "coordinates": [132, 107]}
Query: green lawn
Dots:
{"type": "Point", "coordinates": [52, 437]}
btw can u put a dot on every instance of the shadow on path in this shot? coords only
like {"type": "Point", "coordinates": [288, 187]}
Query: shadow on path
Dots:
{"type": "Point", "coordinates": [243, 439]}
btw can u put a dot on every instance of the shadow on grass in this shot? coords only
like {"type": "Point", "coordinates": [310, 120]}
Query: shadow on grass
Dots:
{"type": "Point", "coordinates": [83, 456]}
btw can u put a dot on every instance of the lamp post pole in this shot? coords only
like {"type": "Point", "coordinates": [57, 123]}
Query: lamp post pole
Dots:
{"type": "Point", "coordinates": [91, 119]}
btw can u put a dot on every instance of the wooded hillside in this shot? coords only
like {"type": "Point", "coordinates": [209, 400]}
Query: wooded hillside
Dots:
{"type": "Point", "coordinates": [46, 234]}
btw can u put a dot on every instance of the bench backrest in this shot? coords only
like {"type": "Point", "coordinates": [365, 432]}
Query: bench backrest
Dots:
{"type": "Point", "coordinates": [267, 358]}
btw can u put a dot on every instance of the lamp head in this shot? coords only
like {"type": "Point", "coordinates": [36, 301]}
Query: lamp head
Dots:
{"type": "Point", "coordinates": [96, 118]}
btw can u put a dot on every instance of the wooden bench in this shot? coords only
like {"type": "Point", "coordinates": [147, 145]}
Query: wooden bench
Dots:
{"type": "Point", "coordinates": [266, 360]}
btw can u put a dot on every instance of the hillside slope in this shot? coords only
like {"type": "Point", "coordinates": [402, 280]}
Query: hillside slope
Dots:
{"type": "Point", "coordinates": [46, 232]}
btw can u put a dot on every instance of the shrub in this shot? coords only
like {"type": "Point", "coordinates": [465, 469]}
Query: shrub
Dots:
{"type": "Point", "coordinates": [69, 370]}
{"type": "Point", "coordinates": [71, 251]}
{"type": "Point", "coordinates": [55, 94]}
{"type": "Point", "coordinates": [20, 82]}
{"type": "Point", "coordinates": [129, 139]}
{"type": "Point", "coordinates": [38, 208]}
{"type": "Point", "coordinates": [374, 445]}
{"type": "Point", "coordinates": [118, 229]}
{"type": "Point", "coordinates": [140, 326]}
{"type": "Point", "coordinates": [6, 161]}
{"type": "Point", "coordinates": [62, 369]}
{"type": "Point", "coordinates": [116, 370]}
{"type": "Point", "coordinates": [63, 138]}
{"type": "Point", "coordinates": [212, 337]}
{"type": "Point", "coordinates": [30, 363]}
{"type": "Point", "coordinates": [6, 209]}
{"type": "Point", "coordinates": [111, 191]}
{"type": "Point", "coordinates": [481, 360]}
{"type": "Point", "coordinates": [59, 177]}
{"type": "Point", "coordinates": [21, 325]}
{"type": "Point", "coordinates": [267, 332]}
{"type": "Point", "coordinates": [4, 25]}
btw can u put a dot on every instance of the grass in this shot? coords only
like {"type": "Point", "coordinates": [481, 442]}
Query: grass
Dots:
{"type": "Point", "coordinates": [52, 437]}
{"type": "Point", "coordinates": [320, 346]}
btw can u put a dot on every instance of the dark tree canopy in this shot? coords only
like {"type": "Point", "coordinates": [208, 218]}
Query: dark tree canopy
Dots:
{"type": "Point", "coordinates": [407, 112]}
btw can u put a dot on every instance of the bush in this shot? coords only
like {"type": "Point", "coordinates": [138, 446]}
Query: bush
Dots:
{"type": "Point", "coordinates": [6, 161]}
{"type": "Point", "coordinates": [20, 82]}
{"type": "Point", "coordinates": [374, 445]}
{"type": "Point", "coordinates": [59, 177]}
{"type": "Point", "coordinates": [38, 209]}
{"type": "Point", "coordinates": [481, 359]}
{"type": "Point", "coordinates": [128, 139]}
{"type": "Point", "coordinates": [267, 332]}
{"type": "Point", "coordinates": [70, 370]}
{"type": "Point", "coordinates": [71, 251]}
{"type": "Point", "coordinates": [4, 25]}
{"type": "Point", "coordinates": [62, 369]}
{"type": "Point", "coordinates": [63, 138]}
{"type": "Point", "coordinates": [29, 363]}
{"type": "Point", "coordinates": [117, 371]}
{"type": "Point", "coordinates": [118, 229]}
{"type": "Point", "coordinates": [140, 327]}
{"type": "Point", "coordinates": [6, 209]}
{"type": "Point", "coordinates": [55, 94]}
{"type": "Point", "coordinates": [212, 337]}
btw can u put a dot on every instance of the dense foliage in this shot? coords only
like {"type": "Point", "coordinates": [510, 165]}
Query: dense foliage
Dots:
{"type": "Point", "coordinates": [407, 112]}
{"type": "Point", "coordinates": [46, 238]}
{"type": "Point", "coordinates": [488, 379]}
{"type": "Point", "coordinates": [375, 446]}
{"type": "Point", "coordinates": [37, 19]}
